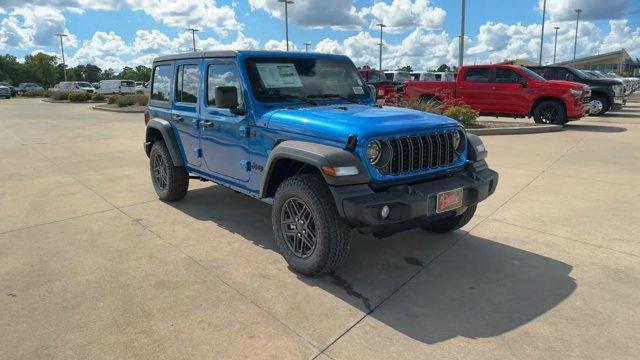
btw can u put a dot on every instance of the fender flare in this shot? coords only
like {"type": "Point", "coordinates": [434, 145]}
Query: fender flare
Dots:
{"type": "Point", "coordinates": [166, 130]}
{"type": "Point", "coordinates": [316, 155]}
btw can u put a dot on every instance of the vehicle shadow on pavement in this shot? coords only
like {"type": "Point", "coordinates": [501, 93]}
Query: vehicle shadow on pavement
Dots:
{"type": "Point", "coordinates": [429, 287]}
{"type": "Point", "coordinates": [633, 114]}
{"type": "Point", "coordinates": [594, 128]}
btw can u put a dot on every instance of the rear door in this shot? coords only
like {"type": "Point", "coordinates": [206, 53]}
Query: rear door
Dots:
{"type": "Point", "coordinates": [509, 94]}
{"type": "Point", "coordinates": [475, 89]}
{"type": "Point", "coordinates": [185, 113]}
{"type": "Point", "coordinates": [224, 135]}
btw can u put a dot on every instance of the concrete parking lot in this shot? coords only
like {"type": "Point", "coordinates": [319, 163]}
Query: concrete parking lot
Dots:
{"type": "Point", "coordinates": [92, 265]}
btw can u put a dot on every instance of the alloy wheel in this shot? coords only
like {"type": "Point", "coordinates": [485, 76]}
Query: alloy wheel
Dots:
{"type": "Point", "coordinates": [160, 171]}
{"type": "Point", "coordinates": [298, 227]}
{"type": "Point", "coordinates": [596, 106]}
{"type": "Point", "coordinates": [549, 115]}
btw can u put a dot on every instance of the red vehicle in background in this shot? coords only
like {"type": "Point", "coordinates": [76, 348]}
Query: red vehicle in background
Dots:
{"type": "Point", "coordinates": [384, 88]}
{"type": "Point", "coordinates": [507, 90]}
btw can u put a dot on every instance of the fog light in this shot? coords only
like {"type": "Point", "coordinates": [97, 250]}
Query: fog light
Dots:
{"type": "Point", "coordinates": [384, 212]}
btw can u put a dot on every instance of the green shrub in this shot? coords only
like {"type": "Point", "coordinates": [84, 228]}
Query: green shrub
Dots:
{"type": "Point", "coordinates": [463, 113]}
{"type": "Point", "coordinates": [112, 99]}
{"type": "Point", "coordinates": [77, 96]}
{"type": "Point", "coordinates": [141, 99]}
{"type": "Point", "coordinates": [47, 93]}
{"type": "Point", "coordinates": [122, 101]}
{"type": "Point", "coordinates": [59, 95]}
{"type": "Point", "coordinates": [97, 97]}
{"type": "Point", "coordinates": [34, 93]}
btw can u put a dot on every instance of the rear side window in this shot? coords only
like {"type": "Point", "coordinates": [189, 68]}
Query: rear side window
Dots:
{"type": "Point", "coordinates": [161, 85]}
{"type": "Point", "coordinates": [562, 74]}
{"type": "Point", "coordinates": [187, 84]}
{"type": "Point", "coordinates": [477, 75]}
{"type": "Point", "coordinates": [221, 75]}
{"type": "Point", "coordinates": [127, 84]}
{"type": "Point", "coordinates": [506, 76]}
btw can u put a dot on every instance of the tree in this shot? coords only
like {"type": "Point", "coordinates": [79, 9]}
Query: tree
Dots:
{"type": "Point", "coordinates": [405, 68]}
{"type": "Point", "coordinates": [92, 73]}
{"type": "Point", "coordinates": [11, 70]}
{"type": "Point", "coordinates": [108, 74]}
{"type": "Point", "coordinates": [444, 68]}
{"type": "Point", "coordinates": [41, 68]}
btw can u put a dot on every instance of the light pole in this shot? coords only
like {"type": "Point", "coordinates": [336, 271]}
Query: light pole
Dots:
{"type": "Point", "coordinates": [461, 50]}
{"type": "Point", "coordinates": [380, 57]}
{"type": "Point", "coordinates": [193, 37]}
{"type": "Point", "coordinates": [64, 65]}
{"type": "Point", "coordinates": [286, 19]}
{"type": "Point", "coordinates": [544, 10]}
{"type": "Point", "coordinates": [555, 45]}
{"type": "Point", "coordinates": [306, 46]}
{"type": "Point", "coordinates": [575, 42]}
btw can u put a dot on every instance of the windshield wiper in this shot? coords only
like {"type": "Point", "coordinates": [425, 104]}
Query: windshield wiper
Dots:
{"type": "Point", "coordinates": [328, 96]}
{"type": "Point", "coordinates": [289, 98]}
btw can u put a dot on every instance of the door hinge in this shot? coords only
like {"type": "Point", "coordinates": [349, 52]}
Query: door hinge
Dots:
{"type": "Point", "coordinates": [244, 131]}
{"type": "Point", "coordinates": [197, 152]}
{"type": "Point", "coordinates": [246, 165]}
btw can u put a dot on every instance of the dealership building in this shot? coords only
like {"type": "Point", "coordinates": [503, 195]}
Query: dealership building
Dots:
{"type": "Point", "coordinates": [615, 61]}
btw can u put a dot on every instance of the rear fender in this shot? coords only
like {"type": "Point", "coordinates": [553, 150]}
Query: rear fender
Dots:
{"type": "Point", "coordinates": [162, 128]}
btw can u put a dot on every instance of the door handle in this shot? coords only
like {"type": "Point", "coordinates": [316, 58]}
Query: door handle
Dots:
{"type": "Point", "coordinates": [178, 118]}
{"type": "Point", "coordinates": [206, 124]}
{"type": "Point", "coordinates": [494, 88]}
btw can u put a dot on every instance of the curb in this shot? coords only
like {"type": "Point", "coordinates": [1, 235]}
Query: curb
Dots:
{"type": "Point", "coordinates": [517, 130]}
{"type": "Point", "coordinates": [98, 107]}
{"type": "Point", "coordinates": [71, 102]}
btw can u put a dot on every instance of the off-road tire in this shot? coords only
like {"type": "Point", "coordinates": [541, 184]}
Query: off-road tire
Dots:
{"type": "Point", "coordinates": [606, 105]}
{"type": "Point", "coordinates": [451, 223]}
{"type": "Point", "coordinates": [332, 241]}
{"type": "Point", "coordinates": [539, 110]}
{"type": "Point", "coordinates": [177, 178]}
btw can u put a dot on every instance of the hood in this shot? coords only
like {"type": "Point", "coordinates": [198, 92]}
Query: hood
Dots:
{"type": "Point", "coordinates": [338, 122]}
{"type": "Point", "coordinates": [605, 82]}
{"type": "Point", "coordinates": [564, 84]}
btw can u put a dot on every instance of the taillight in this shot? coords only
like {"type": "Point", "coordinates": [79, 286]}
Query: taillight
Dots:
{"type": "Point", "coordinates": [147, 117]}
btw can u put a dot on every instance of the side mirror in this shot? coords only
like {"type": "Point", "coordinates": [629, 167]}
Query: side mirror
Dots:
{"type": "Point", "coordinates": [227, 98]}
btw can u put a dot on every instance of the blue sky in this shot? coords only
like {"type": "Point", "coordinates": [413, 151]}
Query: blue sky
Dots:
{"type": "Point", "coordinates": [421, 33]}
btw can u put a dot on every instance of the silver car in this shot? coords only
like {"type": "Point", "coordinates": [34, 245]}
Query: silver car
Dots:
{"type": "Point", "coordinates": [5, 92]}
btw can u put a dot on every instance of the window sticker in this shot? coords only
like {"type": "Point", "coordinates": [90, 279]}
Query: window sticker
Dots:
{"type": "Point", "coordinates": [358, 90]}
{"type": "Point", "coordinates": [279, 75]}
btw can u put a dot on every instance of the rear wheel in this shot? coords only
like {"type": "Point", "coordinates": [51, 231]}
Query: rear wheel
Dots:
{"type": "Point", "coordinates": [451, 223]}
{"type": "Point", "coordinates": [171, 182]}
{"type": "Point", "coordinates": [311, 235]}
{"type": "Point", "coordinates": [599, 105]}
{"type": "Point", "coordinates": [549, 112]}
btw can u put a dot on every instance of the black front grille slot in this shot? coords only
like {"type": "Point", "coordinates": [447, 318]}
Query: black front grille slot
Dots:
{"type": "Point", "coordinates": [416, 153]}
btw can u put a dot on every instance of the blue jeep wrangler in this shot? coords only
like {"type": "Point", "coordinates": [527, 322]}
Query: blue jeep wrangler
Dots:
{"type": "Point", "coordinates": [302, 132]}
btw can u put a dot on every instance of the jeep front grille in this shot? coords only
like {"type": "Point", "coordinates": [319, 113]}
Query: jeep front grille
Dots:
{"type": "Point", "coordinates": [420, 152]}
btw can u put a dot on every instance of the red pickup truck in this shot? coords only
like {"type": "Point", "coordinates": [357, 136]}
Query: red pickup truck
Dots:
{"type": "Point", "coordinates": [507, 90]}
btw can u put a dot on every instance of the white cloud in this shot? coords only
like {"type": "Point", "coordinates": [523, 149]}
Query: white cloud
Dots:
{"type": "Point", "coordinates": [403, 14]}
{"type": "Point", "coordinates": [337, 14]}
{"type": "Point", "coordinates": [279, 45]}
{"type": "Point", "coordinates": [622, 36]}
{"type": "Point", "coordinates": [34, 26]}
{"type": "Point", "coordinates": [592, 9]}
{"type": "Point", "coordinates": [151, 41]}
{"type": "Point", "coordinates": [104, 49]}
{"type": "Point", "coordinates": [187, 13]}
{"type": "Point", "coordinates": [12, 35]}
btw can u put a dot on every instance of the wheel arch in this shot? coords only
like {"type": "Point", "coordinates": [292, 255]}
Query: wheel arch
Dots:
{"type": "Point", "coordinates": [160, 129]}
{"type": "Point", "coordinates": [297, 157]}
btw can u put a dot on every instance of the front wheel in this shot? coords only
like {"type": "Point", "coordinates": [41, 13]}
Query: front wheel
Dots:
{"type": "Point", "coordinates": [549, 112]}
{"type": "Point", "coordinates": [451, 223]}
{"type": "Point", "coordinates": [171, 182]}
{"type": "Point", "coordinates": [311, 235]}
{"type": "Point", "coordinates": [599, 105]}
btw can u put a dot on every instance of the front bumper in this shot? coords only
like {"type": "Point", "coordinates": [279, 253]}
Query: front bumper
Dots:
{"type": "Point", "coordinates": [411, 205]}
{"type": "Point", "coordinates": [619, 100]}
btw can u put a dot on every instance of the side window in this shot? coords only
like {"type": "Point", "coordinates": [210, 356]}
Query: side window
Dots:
{"type": "Point", "coordinates": [221, 75]}
{"type": "Point", "coordinates": [438, 77]}
{"type": "Point", "coordinates": [388, 76]}
{"type": "Point", "coordinates": [187, 84]}
{"type": "Point", "coordinates": [477, 75]}
{"type": "Point", "coordinates": [506, 76]}
{"type": "Point", "coordinates": [161, 85]}
{"type": "Point", "coordinates": [562, 74]}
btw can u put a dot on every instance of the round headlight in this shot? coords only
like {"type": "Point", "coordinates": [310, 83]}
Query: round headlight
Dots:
{"type": "Point", "coordinates": [374, 151]}
{"type": "Point", "coordinates": [459, 141]}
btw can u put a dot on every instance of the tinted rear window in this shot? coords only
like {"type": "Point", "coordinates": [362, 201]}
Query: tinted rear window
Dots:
{"type": "Point", "coordinates": [127, 83]}
{"type": "Point", "coordinates": [161, 85]}
{"type": "Point", "coordinates": [477, 75]}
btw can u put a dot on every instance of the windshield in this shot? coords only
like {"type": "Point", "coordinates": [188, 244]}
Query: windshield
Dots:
{"type": "Point", "coordinates": [304, 78]}
{"type": "Point", "coordinates": [532, 74]}
{"type": "Point", "coordinates": [402, 76]}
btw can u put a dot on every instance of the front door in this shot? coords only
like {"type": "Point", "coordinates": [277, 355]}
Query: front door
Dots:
{"type": "Point", "coordinates": [509, 93]}
{"type": "Point", "coordinates": [224, 135]}
{"type": "Point", "coordinates": [184, 116]}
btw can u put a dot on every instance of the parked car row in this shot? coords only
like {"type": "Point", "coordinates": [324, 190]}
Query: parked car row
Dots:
{"type": "Point", "coordinates": [103, 87]}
